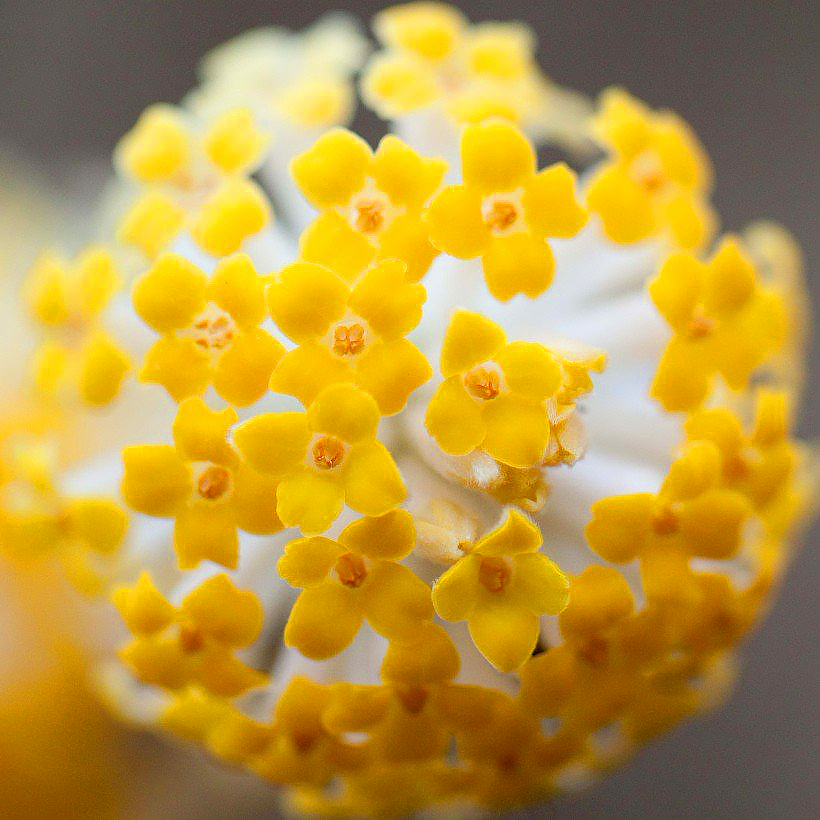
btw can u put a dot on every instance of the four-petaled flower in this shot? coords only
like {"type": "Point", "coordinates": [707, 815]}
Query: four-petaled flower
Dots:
{"type": "Point", "coordinates": [193, 176]}
{"type": "Point", "coordinates": [325, 459]}
{"type": "Point", "coordinates": [354, 579]}
{"type": "Point", "coordinates": [693, 515]}
{"type": "Point", "coordinates": [504, 211]}
{"type": "Point", "coordinates": [203, 485]}
{"type": "Point", "coordinates": [70, 301]}
{"type": "Point", "coordinates": [209, 328]}
{"type": "Point", "coordinates": [371, 204]}
{"type": "Point", "coordinates": [349, 334]}
{"type": "Point", "coordinates": [194, 644]}
{"type": "Point", "coordinates": [723, 323]}
{"type": "Point", "coordinates": [501, 587]}
{"type": "Point", "coordinates": [512, 401]}
{"type": "Point", "coordinates": [657, 179]}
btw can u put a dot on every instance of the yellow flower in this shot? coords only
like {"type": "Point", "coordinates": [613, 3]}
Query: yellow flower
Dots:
{"type": "Point", "coordinates": [203, 486]}
{"type": "Point", "coordinates": [723, 323]}
{"type": "Point", "coordinates": [69, 302]}
{"type": "Point", "coordinates": [194, 644]}
{"type": "Point", "coordinates": [761, 464]}
{"type": "Point", "coordinates": [349, 334]}
{"type": "Point", "coordinates": [209, 328]}
{"type": "Point", "coordinates": [193, 176]}
{"type": "Point", "coordinates": [691, 516]}
{"type": "Point", "coordinates": [656, 180]}
{"type": "Point", "coordinates": [370, 204]}
{"type": "Point", "coordinates": [324, 459]}
{"type": "Point", "coordinates": [504, 211]}
{"type": "Point", "coordinates": [303, 751]}
{"type": "Point", "coordinates": [501, 587]}
{"type": "Point", "coordinates": [512, 401]}
{"type": "Point", "coordinates": [351, 580]}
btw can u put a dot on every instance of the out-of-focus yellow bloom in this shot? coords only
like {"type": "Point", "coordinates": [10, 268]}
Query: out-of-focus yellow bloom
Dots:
{"type": "Point", "coordinates": [370, 203]}
{"type": "Point", "coordinates": [692, 515]}
{"type": "Point", "coordinates": [325, 458]}
{"type": "Point", "coordinates": [656, 179]}
{"type": "Point", "coordinates": [724, 322]}
{"type": "Point", "coordinates": [355, 578]}
{"type": "Point", "coordinates": [512, 401]}
{"type": "Point", "coordinates": [195, 643]}
{"type": "Point", "coordinates": [349, 334]}
{"type": "Point", "coordinates": [433, 60]}
{"type": "Point", "coordinates": [195, 177]}
{"type": "Point", "coordinates": [504, 211]}
{"type": "Point", "coordinates": [209, 328]}
{"type": "Point", "coordinates": [69, 302]}
{"type": "Point", "coordinates": [203, 485]}
{"type": "Point", "coordinates": [500, 588]}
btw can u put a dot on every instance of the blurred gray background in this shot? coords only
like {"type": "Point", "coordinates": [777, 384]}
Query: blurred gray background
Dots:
{"type": "Point", "coordinates": [75, 75]}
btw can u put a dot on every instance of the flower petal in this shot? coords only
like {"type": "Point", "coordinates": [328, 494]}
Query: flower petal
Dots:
{"type": "Point", "coordinates": [242, 374]}
{"type": "Point", "coordinates": [539, 584]}
{"type": "Point", "coordinates": [495, 157]}
{"type": "Point", "coordinates": [519, 263]}
{"type": "Point", "coordinates": [346, 411]}
{"type": "Point", "coordinates": [305, 300]}
{"type": "Point", "coordinates": [624, 209]}
{"type": "Point", "coordinates": [711, 524]}
{"type": "Point", "coordinates": [455, 223]}
{"type": "Point", "coordinates": [156, 481]}
{"type": "Point", "coordinates": [551, 204]}
{"type": "Point", "coordinates": [274, 443]}
{"type": "Point", "coordinates": [677, 288]}
{"type": "Point", "coordinates": [309, 501]}
{"type": "Point", "coordinates": [333, 169]}
{"type": "Point", "coordinates": [331, 242]}
{"type": "Point", "coordinates": [407, 238]}
{"type": "Point", "coordinates": [457, 592]}
{"type": "Point", "coordinates": [390, 537]}
{"type": "Point", "coordinates": [170, 295]}
{"type": "Point", "coordinates": [237, 288]}
{"type": "Point", "coordinates": [518, 431]}
{"type": "Point", "coordinates": [307, 562]}
{"type": "Point", "coordinates": [178, 366]}
{"type": "Point", "coordinates": [515, 535]}
{"type": "Point", "coordinates": [230, 616]}
{"type": "Point", "coordinates": [391, 372]}
{"type": "Point", "coordinates": [504, 634]}
{"type": "Point", "coordinates": [206, 531]}
{"type": "Point", "coordinates": [372, 482]}
{"type": "Point", "coordinates": [307, 371]}
{"type": "Point", "coordinates": [254, 501]}
{"type": "Point", "coordinates": [530, 370]}
{"type": "Point", "coordinates": [683, 376]}
{"type": "Point", "coordinates": [454, 420]}
{"type": "Point", "coordinates": [470, 340]}
{"type": "Point", "coordinates": [403, 175]}
{"type": "Point", "coordinates": [324, 621]}
{"type": "Point", "coordinates": [397, 603]}
{"type": "Point", "coordinates": [620, 526]}
{"type": "Point", "coordinates": [201, 434]}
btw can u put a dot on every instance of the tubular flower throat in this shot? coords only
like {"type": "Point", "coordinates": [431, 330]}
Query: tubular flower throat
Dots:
{"type": "Point", "coordinates": [455, 482]}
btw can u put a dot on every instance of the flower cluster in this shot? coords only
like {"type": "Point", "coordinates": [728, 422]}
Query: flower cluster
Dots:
{"type": "Point", "coordinates": [383, 589]}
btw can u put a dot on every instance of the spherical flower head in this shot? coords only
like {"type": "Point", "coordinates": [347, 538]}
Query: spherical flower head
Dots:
{"type": "Point", "coordinates": [723, 322]}
{"type": "Point", "coordinates": [324, 458]}
{"type": "Point", "coordinates": [70, 303]}
{"type": "Point", "coordinates": [370, 203]}
{"type": "Point", "coordinates": [657, 179]}
{"type": "Point", "coordinates": [203, 485]}
{"type": "Point", "coordinates": [500, 398]}
{"type": "Point", "coordinates": [348, 333]}
{"type": "Point", "coordinates": [194, 644]}
{"type": "Point", "coordinates": [193, 176]}
{"type": "Point", "coordinates": [504, 211]}
{"type": "Point", "coordinates": [500, 588]}
{"type": "Point", "coordinates": [209, 329]}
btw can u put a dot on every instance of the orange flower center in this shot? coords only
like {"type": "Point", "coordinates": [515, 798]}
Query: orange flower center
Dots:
{"type": "Point", "coordinates": [412, 698]}
{"type": "Point", "coordinates": [648, 173]}
{"type": "Point", "coordinates": [700, 327]}
{"type": "Point", "coordinates": [665, 522]}
{"type": "Point", "coordinates": [213, 331]}
{"type": "Point", "coordinates": [303, 741]}
{"type": "Point", "coordinates": [595, 652]}
{"type": "Point", "coordinates": [351, 570]}
{"type": "Point", "coordinates": [191, 639]}
{"type": "Point", "coordinates": [213, 483]}
{"type": "Point", "coordinates": [483, 383]}
{"type": "Point", "coordinates": [500, 216]}
{"type": "Point", "coordinates": [328, 452]}
{"type": "Point", "coordinates": [494, 574]}
{"type": "Point", "coordinates": [369, 216]}
{"type": "Point", "coordinates": [348, 340]}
